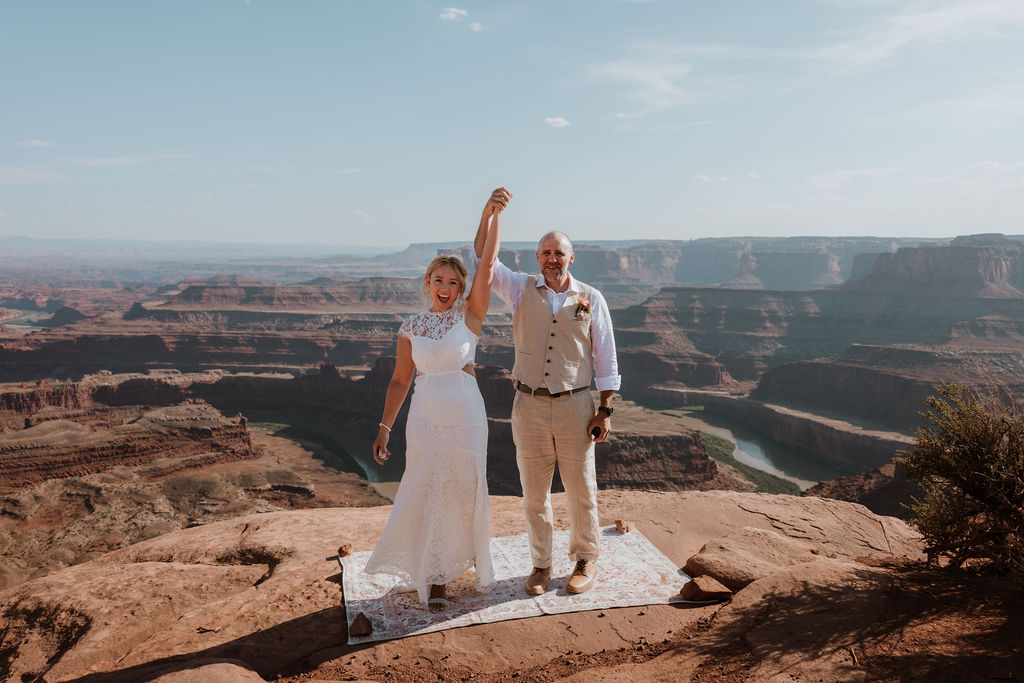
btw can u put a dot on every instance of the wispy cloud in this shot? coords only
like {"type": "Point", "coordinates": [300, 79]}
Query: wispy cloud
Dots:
{"type": "Point", "coordinates": [919, 24]}
{"type": "Point", "coordinates": [992, 106]}
{"type": "Point", "coordinates": [476, 27]}
{"type": "Point", "coordinates": [127, 160]}
{"type": "Point", "coordinates": [36, 143]}
{"type": "Point", "coordinates": [556, 122]}
{"type": "Point", "coordinates": [703, 179]}
{"type": "Point", "coordinates": [348, 171]}
{"type": "Point", "coordinates": [981, 176]}
{"type": "Point", "coordinates": [453, 14]}
{"type": "Point", "coordinates": [654, 82]}
{"type": "Point", "coordinates": [754, 176]}
{"type": "Point", "coordinates": [844, 177]}
{"type": "Point", "coordinates": [673, 126]}
{"type": "Point", "coordinates": [25, 175]}
{"type": "Point", "coordinates": [359, 214]}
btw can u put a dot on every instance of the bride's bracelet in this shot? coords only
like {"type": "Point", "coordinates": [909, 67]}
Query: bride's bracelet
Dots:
{"type": "Point", "coordinates": [385, 427]}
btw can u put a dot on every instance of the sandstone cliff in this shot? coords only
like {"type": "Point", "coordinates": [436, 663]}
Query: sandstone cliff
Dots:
{"type": "Point", "coordinates": [257, 591]}
{"type": "Point", "coordinates": [888, 386]}
{"type": "Point", "coordinates": [180, 437]}
{"type": "Point", "coordinates": [377, 293]}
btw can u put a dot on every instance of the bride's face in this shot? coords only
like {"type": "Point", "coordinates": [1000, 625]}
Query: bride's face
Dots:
{"type": "Point", "coordinates": [445, 287]}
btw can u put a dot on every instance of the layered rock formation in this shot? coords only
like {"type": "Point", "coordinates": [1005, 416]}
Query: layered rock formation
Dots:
{"type": "Point", "coordinates": [888, 386]}
{"type": "Point", "coordinates": [843, 446]}
{"type": "Point", "coordinates": [180, 437]}
{"type": "Point", "coordinates": [966, 295]}
{"type": "Point", "coordinates": [373, 294]}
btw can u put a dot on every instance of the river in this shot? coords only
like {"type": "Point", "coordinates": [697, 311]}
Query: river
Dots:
{"type": "Point", "coordinates": [757, 450]}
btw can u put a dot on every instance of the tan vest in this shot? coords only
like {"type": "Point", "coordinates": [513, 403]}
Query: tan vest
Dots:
{"type": "Point", "coordinates": [552, 350]}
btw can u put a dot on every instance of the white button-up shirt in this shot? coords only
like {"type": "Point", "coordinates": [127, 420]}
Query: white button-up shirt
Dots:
{"type": "Point", "coordinates": [510, 286]}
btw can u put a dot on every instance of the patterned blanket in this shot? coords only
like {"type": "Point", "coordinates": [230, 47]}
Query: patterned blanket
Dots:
{"type": "Point", "coordinates": [631, 572]}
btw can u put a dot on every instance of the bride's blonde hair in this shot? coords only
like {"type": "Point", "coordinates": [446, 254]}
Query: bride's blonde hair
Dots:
{"type": "Point", "coordinates": [445, 260]}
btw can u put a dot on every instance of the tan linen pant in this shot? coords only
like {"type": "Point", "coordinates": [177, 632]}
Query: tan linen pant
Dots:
{"type": "Point", "coordinates": [549, 430]}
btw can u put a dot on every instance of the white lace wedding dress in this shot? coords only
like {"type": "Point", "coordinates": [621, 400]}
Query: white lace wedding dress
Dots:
{"type": "Point", "coordinates": [438, 525]}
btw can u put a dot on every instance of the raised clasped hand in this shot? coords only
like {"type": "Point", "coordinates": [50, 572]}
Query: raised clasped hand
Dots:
{"type": "Point", "coordinates": [498, 202]}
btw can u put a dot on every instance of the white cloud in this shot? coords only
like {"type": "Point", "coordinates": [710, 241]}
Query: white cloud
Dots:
{"type": "Point", "coordinates": [453, 14]}
{"type": "Point", "coordinates": [3, 215]}
{"type": "Point", "coordinates": [754, 176]}
{"type": "Point", "coordinates": [556, 122]}
{"type": "Point", "coordinates": [843, 177]}
{"type": "Point", "coordinates": [359, 214]}
{"type": "Point", "coordinates": [36, 143]}
{"type": "Point", "coordinates": [348, 171]}
{"type": "Point", "coordinates": [703, 179]}
{"type": "Point", "coordinates": [27, 176]}
{"type": "Point", "coordinates": [921, 25]}
{"type": "Point", "coordinates": [476, 27]}
{"type": "Point", "coordinates": [129, 160]}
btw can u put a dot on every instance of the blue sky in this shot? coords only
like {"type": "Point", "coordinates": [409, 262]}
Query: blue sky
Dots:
{"type": "Point", "coordinates": [385, 123]}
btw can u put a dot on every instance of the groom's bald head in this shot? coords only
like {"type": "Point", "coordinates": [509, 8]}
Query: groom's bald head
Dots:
{"type": "Point", "coordinates": [558, 235]}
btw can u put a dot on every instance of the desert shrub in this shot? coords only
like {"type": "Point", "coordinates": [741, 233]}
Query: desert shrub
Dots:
{"type": "Point", "coordinates": [970, 460]}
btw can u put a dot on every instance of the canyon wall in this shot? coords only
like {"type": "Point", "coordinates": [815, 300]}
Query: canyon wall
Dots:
{"type": "Point", "coordinates": [835, 442]}
{"type": "Point", "coordinates": [966, 295]}
{"type": "Point", "coordinates": [180, 437]}
{"type": "Point", "coordinates": [889, 385]}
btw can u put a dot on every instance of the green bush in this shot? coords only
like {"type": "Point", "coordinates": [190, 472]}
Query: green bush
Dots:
{"type": "Point", "coordinates": [970, 461]}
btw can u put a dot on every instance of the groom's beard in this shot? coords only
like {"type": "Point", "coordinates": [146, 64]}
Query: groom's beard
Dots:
{"type": "Point", "coordinates": [554, 276]}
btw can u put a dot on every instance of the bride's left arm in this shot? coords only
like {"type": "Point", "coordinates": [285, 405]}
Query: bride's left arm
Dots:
{"type": "Point", "coordinates": [480, 294]}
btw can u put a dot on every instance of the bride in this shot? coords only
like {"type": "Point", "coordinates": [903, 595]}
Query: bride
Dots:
{"type": "Point", "coordinates": [438, 526]}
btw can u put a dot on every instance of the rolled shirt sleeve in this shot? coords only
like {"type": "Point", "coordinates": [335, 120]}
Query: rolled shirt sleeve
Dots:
{"type": "Point", "coordinates": [602, 340]}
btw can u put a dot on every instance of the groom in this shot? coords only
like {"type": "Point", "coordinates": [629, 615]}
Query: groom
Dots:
{"type": "Point", "coordinates": [563, 339]}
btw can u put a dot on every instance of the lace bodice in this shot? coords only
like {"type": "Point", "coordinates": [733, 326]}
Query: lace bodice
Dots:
{"type": "Point", "coordinates": [432, 325]}
{"type": "Point", "coordinates": [441, 342]}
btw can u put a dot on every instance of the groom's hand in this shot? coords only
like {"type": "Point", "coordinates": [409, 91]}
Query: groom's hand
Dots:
{"type": "Point", "coordinates": [601, 422]}
{"type": "Point", "coordinates": [498, 202]}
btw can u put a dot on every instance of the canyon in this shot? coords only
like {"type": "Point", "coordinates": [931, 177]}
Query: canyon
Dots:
{"type": "Point", "coordinates": [854, 328]}
{"type": "Point", "coordinates": [143, 397]}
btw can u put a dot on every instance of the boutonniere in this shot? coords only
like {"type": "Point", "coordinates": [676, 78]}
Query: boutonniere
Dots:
{"type": "Point", "coordinates": [582, 306]}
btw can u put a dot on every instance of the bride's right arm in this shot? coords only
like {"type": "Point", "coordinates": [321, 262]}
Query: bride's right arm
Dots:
{"type": "Point", "coordinates": [398, 388]}
{"type": "Point", "coordinates": [480, 293]}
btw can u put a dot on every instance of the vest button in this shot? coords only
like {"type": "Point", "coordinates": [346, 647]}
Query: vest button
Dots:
{"type": "Point", "coordinates": [548, 360]}
{"type": "Point", "coordinates": [546, 374]}
{"type": "Point", "coordinates": [551, 348]}
{"type": "Point", "coordinates": [554, 321]}
{"type": "Point", "coordinates": [552, 334]}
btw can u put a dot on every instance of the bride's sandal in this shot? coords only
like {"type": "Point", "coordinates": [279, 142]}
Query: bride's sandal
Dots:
{"type": "Point", "coordinates": [438, 601]}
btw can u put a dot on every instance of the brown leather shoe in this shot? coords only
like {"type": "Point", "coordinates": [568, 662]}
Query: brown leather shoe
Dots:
{"type": "Point", "coordinates": [537, 581]}
{"type": "Point", "coordinates": [582, 577]}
